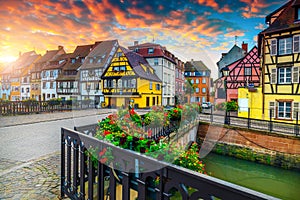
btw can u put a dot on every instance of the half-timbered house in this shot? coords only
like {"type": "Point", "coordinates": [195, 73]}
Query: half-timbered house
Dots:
{"type": "Point", "coordinates": [280, 53]}
{"type": "Point", "coordinates": [129, 79]}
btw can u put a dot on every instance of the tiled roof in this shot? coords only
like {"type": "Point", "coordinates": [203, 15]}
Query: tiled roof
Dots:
{"type": "Point", "coordinates": [286, 18]}
{"type": "Point", "coordinates": [48, 56]}
{"type": "Point", "coordinates": [158, 51]}
{"type": "Point", "coordinates": [195, 66]}
{"type": "Point", "coordinates": [135, 61]}
{"type": "Point", "coordinates": [101, 52]}
{"type": "Point", "coordinates": [55, 62]}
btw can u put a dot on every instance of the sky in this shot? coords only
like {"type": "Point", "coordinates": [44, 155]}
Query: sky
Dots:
{"type": "Point", "coordinates": [190, 29]}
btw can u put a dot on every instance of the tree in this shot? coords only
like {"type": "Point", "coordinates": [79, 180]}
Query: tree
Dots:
{"type": "Point", "coordinates": [189, 88]}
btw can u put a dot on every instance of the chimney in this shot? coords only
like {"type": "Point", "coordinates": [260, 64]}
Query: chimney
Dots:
{"type": "Point", "coordinates": [60, 47]}
{"type": "Point", "coordinates": [192, 60]}
{"type": "Point", "coordinates": [245, 47]}
{"type": "Point", "coordinates": [20, 53]}
{"type": "Point", "coordinates": [135, 43]}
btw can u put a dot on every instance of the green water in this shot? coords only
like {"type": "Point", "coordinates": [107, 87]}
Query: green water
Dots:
{"type": "Point", "coordinates": [277, 182]}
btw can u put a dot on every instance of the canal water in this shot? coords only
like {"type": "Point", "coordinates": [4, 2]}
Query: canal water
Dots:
{"type": "Point", "coordinates": [277, 182]}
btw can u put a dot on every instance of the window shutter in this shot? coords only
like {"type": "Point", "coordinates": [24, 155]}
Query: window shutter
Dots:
{"type": "Point", "coordinates": [296, 43]}
{"type": "Point", "coordinates": [295, 75]}
{"type": "Point", "coordinates": [272, 106]}
{"type": "Point", "coordinates": [296, 109]}
{"type": "Point", "coordinates": [273, 76]}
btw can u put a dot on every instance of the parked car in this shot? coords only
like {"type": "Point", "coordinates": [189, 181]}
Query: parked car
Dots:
{"type": "Point", "coordinates": [206, 105]}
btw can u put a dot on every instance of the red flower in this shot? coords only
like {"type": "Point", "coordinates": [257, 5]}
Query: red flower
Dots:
{"type": "Point", "coordinates": [175, 111]}
{"type": "Point", "coordinates": [103, 160]}
{"type": "Point", "coordinates": [141, 138]}
{"type": "Point", "coordinates": [106, 133]}
{"type": "Point", "coordinates": [123, 135]}
{"type": "Point", "coordinates": [149, 133]}
{"type": "Point", "coordinates": [132, 111]}
{"type": "Point", "coordinates": [111, 122]}
{"type": "Point", "coordinates": [101, 153]}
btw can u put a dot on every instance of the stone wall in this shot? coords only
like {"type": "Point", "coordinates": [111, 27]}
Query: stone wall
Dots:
{"type": "Point", "coordinates": [268, 148]}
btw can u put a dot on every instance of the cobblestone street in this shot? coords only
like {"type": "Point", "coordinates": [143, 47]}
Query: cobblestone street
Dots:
{"type": "Point", "coordinates": [39, 179]}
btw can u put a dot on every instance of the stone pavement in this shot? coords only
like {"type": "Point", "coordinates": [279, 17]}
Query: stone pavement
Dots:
{"type": "Point", "coordinates": [39, 179]}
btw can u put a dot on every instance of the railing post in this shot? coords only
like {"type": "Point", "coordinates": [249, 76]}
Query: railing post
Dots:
{"type": "Point", "coordinates": [270, 122]}
{"type": "Point", "coordinates": [296, 129]}
{"type": "Point", "coordinates": [211, 115]}
{"type": "Point", "coordinates": [62, 180]}
{"type": "Point", "coordinates": [248, 120]}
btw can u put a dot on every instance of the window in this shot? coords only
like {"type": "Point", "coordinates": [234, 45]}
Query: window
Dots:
{"type": "Point", "coordinates": [82, 60]}
{"type": "Point", "coordinates": [192, 81]}
{"type": "Point", "coordinates": [204, 90]}
{"type": "Point", "coordinates": [273, 76]}
{"type": "Point", "coordinates": [296, 110]}
{"type": "Point", "coordinates": [125, 83]}
{"type": "Point", "coordinates": [73, 60]}
{"type": "Point", "coordinates": [203, 99]}
{"type": "Point", "coordinates": [119, 54]}
{"type": "Point", "coordinates": [295, 75]}
{"type": "Point", "coordinates": [197, 90]}
{"type": "Point", "coordinates": [133, 83]}
{"type": "Point", "coordinates": [285, 46]}
{"type": "Point", "coordinates": [155, 61]}
{"type": "Point", "coordinates": [273, 49]}
{"type": "Point", "coordinates": [272, 109]}
{"type": "Point", "coordinates": [203, 80]}
{"type": "Point", "coordinates": [147, 101]}
{"type": "Point", "coordinates": [157, 87]}
{"type": "Point", "coordinates": [91, 60]}
{"type": "Point", "coordinates": [120, 83]}
{"type": "Point", "coordinates": [296, 44]}
{"type": "Point", "coordinates": [285, 75]}
{"type": "Point", "coordinates": [197, 81]}
{"type": "Point", "coordinates": [150, 85]}
{"type": "Point", "coordinates": [150, 50]}
{"type": "Point", "coordinates": [284, 110]}
{"type": "Point", "coordinates": [248, 71]}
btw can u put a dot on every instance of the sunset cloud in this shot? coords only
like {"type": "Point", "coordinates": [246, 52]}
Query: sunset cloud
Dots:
{"type": "Point", "coordinates": [192, 25]}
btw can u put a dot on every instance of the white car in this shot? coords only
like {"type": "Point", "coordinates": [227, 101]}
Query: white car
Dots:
{"type": "Point", "coordinates": [206, 105]}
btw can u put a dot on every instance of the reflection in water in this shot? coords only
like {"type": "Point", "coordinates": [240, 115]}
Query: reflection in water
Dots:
{"type": "Point", "coordinates": [277, 182]}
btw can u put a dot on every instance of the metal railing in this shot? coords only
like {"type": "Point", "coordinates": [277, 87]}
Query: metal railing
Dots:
{"type": "Point", "coordinates": [231, 118]}
{"type": "Point", "coordinates": [28, 107]}
{"type": "Point", "coordinates": [82, 178]}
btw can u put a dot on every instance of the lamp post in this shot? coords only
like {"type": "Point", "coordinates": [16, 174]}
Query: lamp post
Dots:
{"type": "Point", "coordinates": [225, 73]}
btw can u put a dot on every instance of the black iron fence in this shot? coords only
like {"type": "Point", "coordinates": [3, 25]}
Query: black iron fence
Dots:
{"type": "Point", "coordinates": [28, 107]}
{"type": "Point", "coordinates": [156, 131]}
{"type": "Point", "coordinates": [231, 118]}
{"type": "Point", "coordinates": [139, 177]}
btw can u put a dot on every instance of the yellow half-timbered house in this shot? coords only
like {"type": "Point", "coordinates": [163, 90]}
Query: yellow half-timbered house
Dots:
{"type": "Point", "coordinates": [280, 61]}
{"type": "Point", "coordinates": [129, 79]}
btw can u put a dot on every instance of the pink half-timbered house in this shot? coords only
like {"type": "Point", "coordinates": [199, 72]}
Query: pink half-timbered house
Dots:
{"type": "Point", "coordinates": [244, 72]}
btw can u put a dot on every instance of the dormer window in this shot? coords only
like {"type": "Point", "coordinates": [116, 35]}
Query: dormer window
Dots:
{"type": "Point", "coordinates": [150, 50]}
{"type": "Point", "coordinates": [91, 60]}
{"type": "Point", "coordinates": [73, 60]}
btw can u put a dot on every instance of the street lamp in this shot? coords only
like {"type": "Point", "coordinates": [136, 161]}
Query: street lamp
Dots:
{"type": "Point", "coordinates": [225, 73]}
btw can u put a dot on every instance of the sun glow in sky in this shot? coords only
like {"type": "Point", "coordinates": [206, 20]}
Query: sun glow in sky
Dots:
{"type": "Point", "coordinates": [191, 29]}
